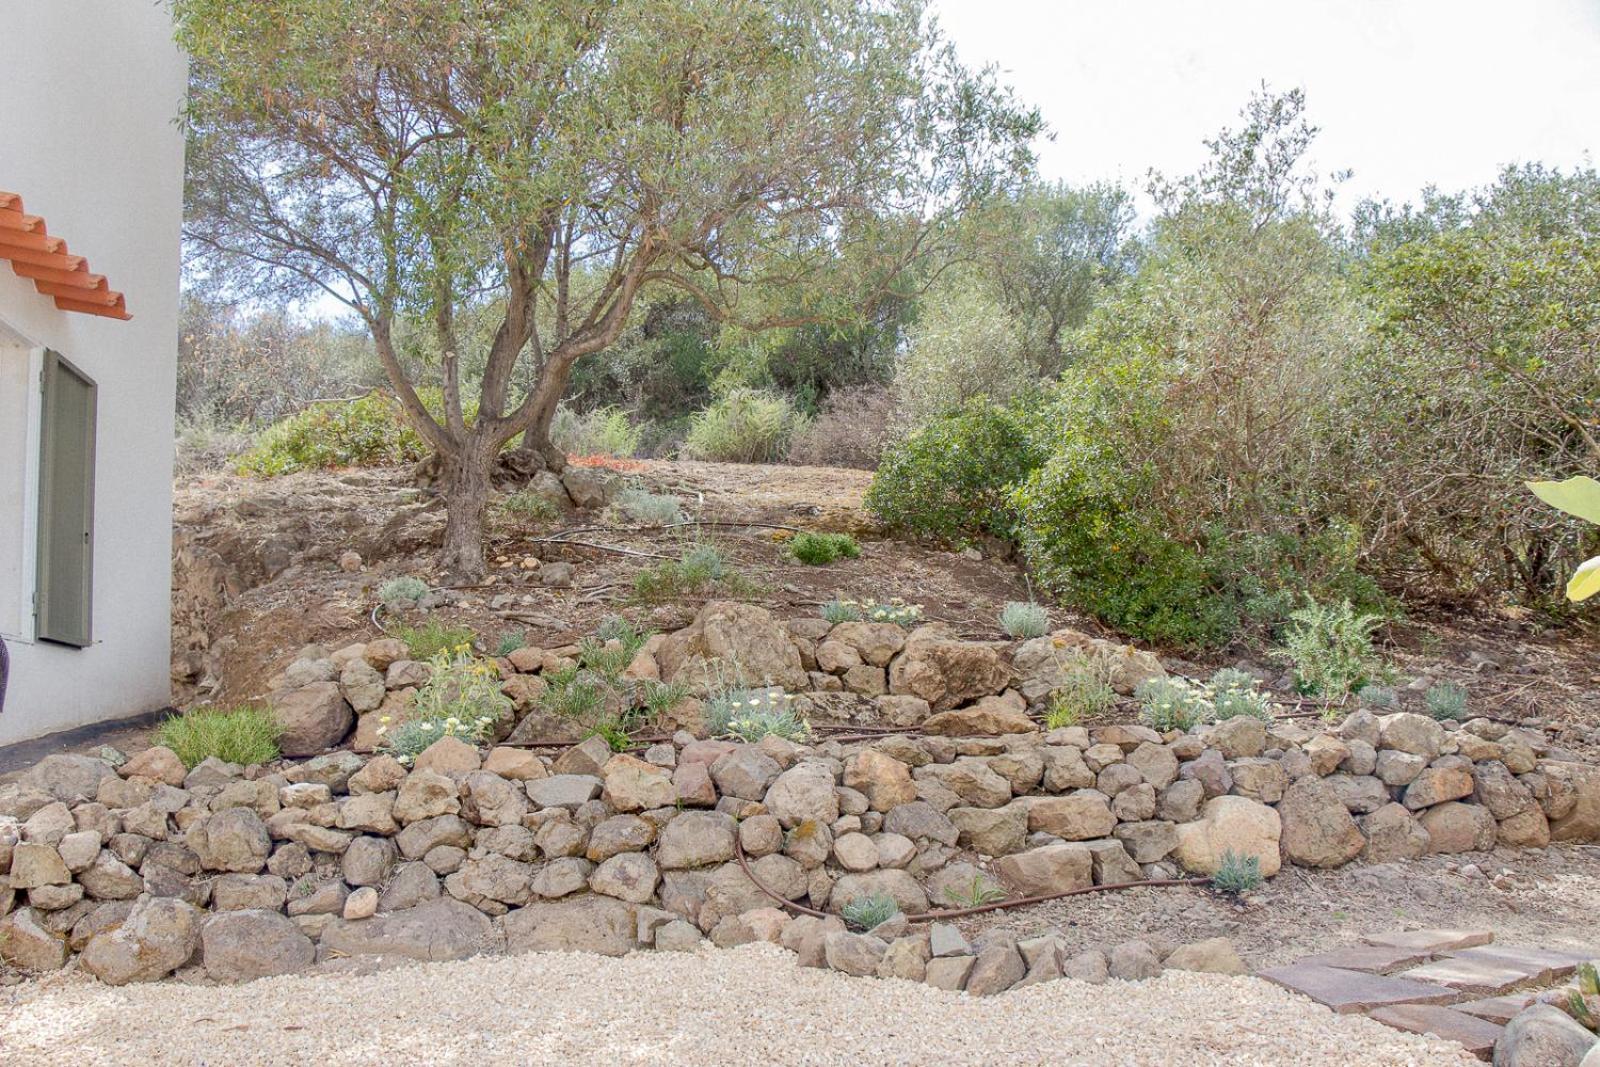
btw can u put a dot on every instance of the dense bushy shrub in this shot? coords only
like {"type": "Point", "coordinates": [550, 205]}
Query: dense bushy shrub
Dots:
{"type": "Point", "coordinates": [954, 477]}
{"type": "Point", "coordinates": [851, 430]}
{"type": "Point", "coordinates": [820, 549]}
{"type": "Point", "coordinates": [601, 432]}
{"type": "Point", "coordinates": [366, 432]}
{"type": "Point", "coordinates": [744, 426]}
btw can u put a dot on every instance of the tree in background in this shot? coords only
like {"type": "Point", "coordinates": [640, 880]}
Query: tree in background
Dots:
{"type": "Point", "coordinates": [1029, 271]}
{"type": "Point", "coordinates": [554, 159]}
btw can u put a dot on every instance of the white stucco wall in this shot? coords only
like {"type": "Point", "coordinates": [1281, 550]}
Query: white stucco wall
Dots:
{"type": "Point", "coordinates": [89, 90]}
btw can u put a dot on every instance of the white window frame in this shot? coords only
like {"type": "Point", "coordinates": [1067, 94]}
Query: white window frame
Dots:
{"type": "Point", "coordinates": [23, 629]}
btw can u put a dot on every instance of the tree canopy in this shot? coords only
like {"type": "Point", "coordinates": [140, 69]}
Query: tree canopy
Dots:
{"type": "Point", "coordinates": [552, 159]}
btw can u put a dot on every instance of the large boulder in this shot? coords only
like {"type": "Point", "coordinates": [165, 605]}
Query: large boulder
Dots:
{"type": "Point", "coordinates": [588, 923]}
{"type": "Point", "coordinates": [1230, 824]}
{"type": "Point", "coordinates": [1046, 664]}
{"type": "Point", "coordinates": [158, 936]}
{"type": "Point", "coordinates": [238, 946]}
{"type": "Point", "coordinates": [312, 718]}
{"type": "Point", "coordinates": [1317, 829]}
{"type": "Point", "coordinates": [804, 793]}
{"type": "Point", "coordinates": [1580, 782]}
{"type": "Point", "coordinates": [882, 779]}
{"type": "Point", "coordinates": [68, 777]}
{"type": "Point", "coordinates": [731, 643]}
{"type": "Point", "coordinates": [989, 717]}
{"type": "Point", "coordinates": [441, 929]}
{"type": "Point", "coordinates": [1048, 869]}
{"type": "Point", "coordinates": [234, 839]}
{"type": "Point", "coordinates": [1542, 1036]}
{"type": "Point", "coordinates": [941, 668]}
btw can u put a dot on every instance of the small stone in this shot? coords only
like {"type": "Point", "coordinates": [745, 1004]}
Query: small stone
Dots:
{"type": "Point", "coordinates": [1134, 960]}
{"type": "Point", "coordinates": [362, 903]}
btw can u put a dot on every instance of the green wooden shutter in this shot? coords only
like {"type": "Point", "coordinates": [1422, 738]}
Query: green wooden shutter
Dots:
{"type": "Point", "coordinates": [66, 504]}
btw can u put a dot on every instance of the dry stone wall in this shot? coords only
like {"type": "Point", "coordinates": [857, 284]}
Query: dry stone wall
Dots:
{"type": "Point", "coordinates": [228, 873]}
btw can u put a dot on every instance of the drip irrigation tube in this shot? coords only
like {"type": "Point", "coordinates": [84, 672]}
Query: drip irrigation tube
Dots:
{"type": "Point", "coordinates": [959, 913]}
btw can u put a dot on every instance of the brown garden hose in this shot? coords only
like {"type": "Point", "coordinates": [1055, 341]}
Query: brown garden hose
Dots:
{"type": "Point", "coordinates": [959, 913]}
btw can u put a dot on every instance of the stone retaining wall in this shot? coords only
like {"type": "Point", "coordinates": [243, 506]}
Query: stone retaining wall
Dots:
{"type": "Point", "coordinates": [229, 873]}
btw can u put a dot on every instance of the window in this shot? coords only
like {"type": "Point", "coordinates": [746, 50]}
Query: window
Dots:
{"type": "Point", "coordinates": [66, 504]}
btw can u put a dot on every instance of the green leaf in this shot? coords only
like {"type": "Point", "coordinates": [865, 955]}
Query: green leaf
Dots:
{"type": "Point", "coordinates": [1578, 496]}
{"type": "Point", "coordinates": [1585, 581]}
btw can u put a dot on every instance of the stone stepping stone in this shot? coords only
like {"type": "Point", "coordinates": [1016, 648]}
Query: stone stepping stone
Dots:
{"type": "Point", "coordinates": [1483, 976]}
{"type": "Point", "coordinates": [1347, 992]}
{"type": "Point", "coordinates": [1373, 959]}
{"type": "Point", "coordinates": [1541, 964]}
{"type": "Point", "coordinates": [1476, 1035]}
{"type": "Point", "coordinates": [1501, 1009]}
{"type": "Point", "coordinates": [1432, 941]}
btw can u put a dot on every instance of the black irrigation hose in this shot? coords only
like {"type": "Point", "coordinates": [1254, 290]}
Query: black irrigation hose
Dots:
{"type": "Point", "coordinates": [959, 913]}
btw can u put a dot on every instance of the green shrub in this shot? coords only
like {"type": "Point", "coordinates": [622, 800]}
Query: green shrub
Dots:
{"type": "Point", "coordinates": [432, 638]}
{"type": "Point", "coordinates": [745, 426]}
{"type": "Point", "coordinates": [1234, 692]}
{"type": "Point", "coordinates": [529, 507]}
{"type": "Point", "coordinates": [244, 735]}
{"type": "Point", "coordinates": [460, 699]}
{"type": "Point", "coordinates": [1446, 700]}
{"type": "Point", "coordinates": [1330, 648]}
{"type": "Point", "coordinates": [1024, 621]}
{"type": "Point", "coordinates": [894, 610]}
{"type": "Point", "coordinates": [869, 912]}
{"type": "Point", "coordinates": [1237, 874]}
{"type": "Point", "coordinates": [751, 714]}
{"type": "Point", "coordinates": [510, 642]}
{"type": "Point", "coordinates": [404, 590]}
{"type": "Point", "coordinates": [649, 509]}
{"type": "Point", "coordinates": [1376, 696]}
{"type": "Point", "coordinates": [837, 611]}
{"type": "Point", "coordinates": [601, 432]}
{"type": "Point", "coordinates": [1173, 704]}
{"type": "Point", "coordinates": [368, 431]}
{"type": "Point", "coordinates": [820, 549]}
{"type": "Point", "coordinates": [954, 477]}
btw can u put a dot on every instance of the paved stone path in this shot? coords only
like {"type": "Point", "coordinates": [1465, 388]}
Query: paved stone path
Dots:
{"type": "Point", "coordinates": [1454, 984]}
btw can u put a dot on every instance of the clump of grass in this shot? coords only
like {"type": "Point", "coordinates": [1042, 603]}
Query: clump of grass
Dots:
{"type": "Point", "coordinates": [1024, 621]}
{"type": "Point", "coordinates": [527, 506]}
{"type": "Point", "coordinates": [868, 912]}
{"type": "Point", "coordinates": [1446, 700]}
{"type": "Point", "coordinates": [1376, 696]}
{"type": "Point", "coordinates": [1085, 691]}
{"type": "Point", "coordinates": [402, 591]}
{"type": "Point", "coordinates": [1237, 874]}
{"type": "Point", "coordinates": [751, 714]}
{"type": "Point", "coordinates": [1330, 648]}
{"type": "Point", "coordinates": [246, 734]}
{"type": "Point", "coordinates": [431, 638]}
{"type": "Point", "coordinates": [981, 892]}
{"type": "Point", "coordinates": [510, 642]}
{"type": "Point", "coordinates": [649, 509]}
{"type": "Point", "coordinates": [701, 568]}
{"type": "Point", "coordinates": [820, 549]}
{"type": "Point", "coordinates": [837, 611]}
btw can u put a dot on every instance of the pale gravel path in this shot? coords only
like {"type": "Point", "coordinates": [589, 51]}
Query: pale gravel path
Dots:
{"type": "Point", "coordinates": [746, 1006]}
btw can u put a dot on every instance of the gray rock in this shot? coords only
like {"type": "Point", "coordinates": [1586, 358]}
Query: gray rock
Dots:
{"type": "Point", "coordinates": [412, 884]}
{"type": "Point", "coordinates": [234, 839]}
{"type": "Point", "coordinates": [1134, 960]}
{"type": "Point", "coordinates": [159, 936]}
{"type": "Point", "coordinates": [696, 839]}
{"type": "Point", "coordinates": [563, 790]}
{"type": "Point", "coordinates": [998, 967]}
{"type": "Point", "coordinates": [1091, 966]}
{"type": "Point", "coordinates": [587, 923]}
{"type": "Point", "coordinates": [28, 945]}
{"type": "Point", "coordinates": [1542, 1036]}
{"type": "Point", "coordinates": [246, 892]}
{"type": "Point", "coordinates": [68, 777]}
{"type": "Point", "coordinates": [239, 946]}
{"type": "Point", "coordinates": [443, 929]}
{"type": "Point", "coordinates": [855, 954]}
{"type": "Point", "coordinates": [369, 860]}
{"type": "Point", "coordinates": [629, 876]}
{"type": "Point", "coordinates": [313, 718]}
{"type": "Point", "coordinates": [804, 793]}
{"type": "Point", "coordinates": [746, 772]}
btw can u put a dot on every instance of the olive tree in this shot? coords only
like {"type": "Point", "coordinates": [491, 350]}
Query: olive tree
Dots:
{"type": "Point", "coordinates": [420, 160]}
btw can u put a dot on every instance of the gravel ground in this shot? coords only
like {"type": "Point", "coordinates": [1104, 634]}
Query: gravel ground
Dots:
{"type": "Point", "coordinates": [748, 1005]}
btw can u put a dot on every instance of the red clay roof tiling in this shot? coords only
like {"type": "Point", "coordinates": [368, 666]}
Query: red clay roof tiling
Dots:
{"type": "Point", "coordinates": [34, 253]}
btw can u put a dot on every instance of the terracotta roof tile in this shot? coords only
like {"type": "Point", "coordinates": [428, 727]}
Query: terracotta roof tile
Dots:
{"type": "Point", "coordinates": [35, 253]}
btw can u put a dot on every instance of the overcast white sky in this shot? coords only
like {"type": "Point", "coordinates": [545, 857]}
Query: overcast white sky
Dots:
{"type": "Point", "coordinates": [1407, 92]}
